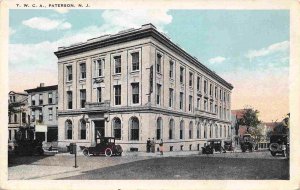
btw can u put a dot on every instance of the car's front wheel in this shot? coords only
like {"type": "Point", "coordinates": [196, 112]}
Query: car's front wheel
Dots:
{"type": "Point", "coordinates": [273, 153]}
{"type": "Point", "coordinates": [86, 152]}
{"type": "Point", "coordinates": [108, 152]}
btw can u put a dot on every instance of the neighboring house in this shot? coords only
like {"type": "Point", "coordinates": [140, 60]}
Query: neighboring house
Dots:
{"type": "Point", "coordinates": [137, 84]}
{"type": "Point", "coordinates": [17, 114]}
{"type": "Point", "coordinates": [42, 102]}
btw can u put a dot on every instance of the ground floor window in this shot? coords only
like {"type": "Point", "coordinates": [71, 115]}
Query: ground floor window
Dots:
{"type": "Point", "coordinates": [69, 130]}
{"type": "Point", "coordinates": [134, 128]}
{"type": "Point", "coordinates": [117, 128]}
{"type": "Point", "coordinates": [52, 134]}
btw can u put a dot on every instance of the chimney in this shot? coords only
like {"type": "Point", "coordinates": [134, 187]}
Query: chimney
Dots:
{"type": "Point", "coordinates": [42, 84]}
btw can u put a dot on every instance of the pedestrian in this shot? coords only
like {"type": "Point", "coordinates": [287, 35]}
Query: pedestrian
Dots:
{"type": "Point", "coordinates": [153, 145]}
{"type": "Point", "coordinates": [148, 145]}
{"type": "Point", "coordinates": [161, 147]}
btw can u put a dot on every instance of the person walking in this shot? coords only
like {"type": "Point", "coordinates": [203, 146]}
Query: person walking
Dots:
{"type": "Point", "coordinates": [161, 147]}
{"type": "Point", "coordinates": [148, 145]}
{"type": "Point", "coordinates": [153, 145]}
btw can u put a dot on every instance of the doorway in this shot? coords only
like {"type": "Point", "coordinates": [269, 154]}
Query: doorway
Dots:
{"type": "Point", "coordinates": [99, 128]}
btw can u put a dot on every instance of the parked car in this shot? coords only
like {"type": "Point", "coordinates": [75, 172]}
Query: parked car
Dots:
{"type": "Point", "coordinates": [279, 144]}
{"type": "Point", "coordinates": [104, 146]}
{"type": "Point", "coordinates": [213, 145]}
{"type": "Point", "coordinates": [228, 145]}
{"type": "Point", "coordinates": [247, 143]}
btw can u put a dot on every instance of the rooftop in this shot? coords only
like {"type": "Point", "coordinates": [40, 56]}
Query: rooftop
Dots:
{"type": "Point", "coordinates": [42, 88]}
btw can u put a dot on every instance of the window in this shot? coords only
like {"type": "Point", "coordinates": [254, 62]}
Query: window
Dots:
{"type": "Point", "coordinates": [221, 135]}
{"type": "Point", "coordinates": [210, 106]}
{"type": "Point", "coordinates": [224, 114]}
{"type": "Point", "coordinates": [158, 128]}
{"type": "Point", "coordinates": [205, 87]}
{"type": "Point", "coordinates": [158, 94]}
{"type": "Point", "coordinates": [23, 117]}
{"type": "Point", "coordinates": [171, 95]}
{"type": "Point", "coordinates": [99, 94]}
{"type": "Point", "coordinates": [135, 93]}
{"type": "Point", "coordinates": [181, 74]}
{"type": "Point", "coordinates": [181, 132]}
{"type": "Point", "coordinates": [117, 64]}
{"type": "Point", "coordinates": [50, 111]}
{"type": "Point", "coordinates": [224, 97]}
{"type": "Point", "coordinates": [158, 63]}
{"type": "Point", "coordinates": [205, 131]}
{"type": "Point", "coordinates": [190, 103]}
{"type": "Point", "coordinates": [228, 131]}
{"type": "Point", "coordinates": [198, 83]}
{"type": "Point", "coordinates": [117, 128]}
{"type": "Point", "coordinates": [99, 67]}
{"type": "Point", "coordinates": [171, 72]}
{"type": "Point", "coordinates": [69, 130]}
{"type": "Point", "coordinates": [82, 71]}
{"type": "Point", "coordinates": [82, 129]}
{"type": "Point", "coordinates": [216, 109]}
{"type": "Point", "coordinates": [216, 92]}
{"type": "Point", "coordinates": [50, 98]}
{"type": "Point", "coordinates": [33, 100]}
{"type": "Point", "coordinates": [134, 128]}
{"type": "Point", "coordinates": [135, 61]}
{"type": "Point", "coordinates": [33, 116]}
{"type": "Point", "coordinates": [70, 98]}
{"type": "Point", "coordinates": [69, 73]}
{"type": "Point", "coordinates": [171, 129]}
{"type": "Point", "coordinates": [220, 111]}
{"type": "Point", "coordinates": [210, 89]}
{"type": "Point", "coordinates": [198, 103]}
{"type": "Point", "coordinates": [198, 131]}
{"type": "Point", "coordinates": [205, 105]}
{"type": "Point", "coordinates": [191, 78]}
{"type": "Point", "coordinates": [220, 94]}
{"type": "Point", "coordinates": [40, 99]}
{"type": "Point", "coordinates": [210, 131]}
{"type": "Point", "coordinates": [40, 116]}
{"type": "Point", "coordinates": [15, 118]}
{"type": "Point", "coordinates": [82, 98]}
{"type": "Point", "coordinates": [9, 136]}
{"type": "Point", "coordinates": [181, 101]}
{"type": "Point", "coordinates": [191, 130]}
{"type": "Point", "coordinates": [117, 94]}
{"type": "Point", "coordinates": [216, 131]}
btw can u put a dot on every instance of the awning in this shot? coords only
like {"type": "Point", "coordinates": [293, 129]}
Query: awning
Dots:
{"type": "Point", "coordinates": [41, 128]}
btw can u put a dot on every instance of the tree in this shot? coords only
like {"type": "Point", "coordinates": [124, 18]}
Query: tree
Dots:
{"type": "Point", "coordinates": [249, 118]}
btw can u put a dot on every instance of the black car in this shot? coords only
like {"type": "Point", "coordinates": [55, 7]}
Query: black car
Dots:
{"type": "Point", "coordinates": [104, 146]}
{"type": "Point", "coordinates": [213, 145]}
{"type": "Point", "coordinates": [228, 145]}
{"type": "Point", "coordinates": [279, 145]}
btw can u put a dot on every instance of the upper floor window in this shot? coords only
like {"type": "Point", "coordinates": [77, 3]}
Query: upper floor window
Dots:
{"type": "Point", "coordinates": [33, 100]}
{"type": "Point", "coordinates": [210, 106]}
{"type": "Point", "coordinates": [171, 95]}
{"type": "Point", "coordinates": [158, 94]}
{"type": "Point", "coordinates": [224, 97]}
{"type": "Point", "coordinates": [190, 103]}
{"type": "Point", "coordinates": [40, 99]}
{"type": "Point", "coordinates": [158, 63]}
{"type": "Point", "coordinates": [135, 61]}
{"type": "Point", "coordinates": [69, 100]}
{"type": "Point", "coordinates": [181, 100]}
{"type": "Point", "coordinates": [32, 116]}
{"type": "Point", "coordinates": [220, 94]}
{"type": "Point", "coordinates": [69, 73]}
{"type": "Point", "coordinates": [205, 87]}
{"type": "Point", "coordinates": [82, 98]}
{"type": "Point", "coordinates": [117, 94]}
{"type": "Point", "coordinates": [181, 75]}
{"type": "Point", "coordinates": [50, 98]}
{"type": "Point", "coordinates": [191, 78]}
{"type": "Point", "coordinates": [210, 89]}
{"type": "Point", "coordinates": [216, 92]}
{"type": "Point", "coordinates": [12, 98]}
{"type": "Point", "coordinates": [205, 105]}
{"type": "Point", "coordinates": [198, 103]}
{"type": "Point", "coordinates": [171, 72]}
{"type": "Point", "coordinates": [198, 83]}
{"type": "Point", "coordinates": [117, 64]}
{"type": "Point", "coordinates": [135, 93]}
{"type": "Point", "coordinates": [99, 67]}
{"type": "Point", "coordinates": [50, 111]}
{"type": "Point", "coordinates": [99, 94]}
{"type": "Point", "coordinates": [82, 70]}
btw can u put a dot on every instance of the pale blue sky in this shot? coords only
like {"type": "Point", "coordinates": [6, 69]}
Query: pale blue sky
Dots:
{"type": "Point", "coordinates": [238, 45]}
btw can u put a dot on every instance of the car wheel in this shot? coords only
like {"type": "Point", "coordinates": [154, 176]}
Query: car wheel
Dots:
{"type": "Point", "coordinates": [108, 152]}
{"type": "Point", "coordinates": [273, 153]}
{"type": "Point", "coordinates": [86, 152]}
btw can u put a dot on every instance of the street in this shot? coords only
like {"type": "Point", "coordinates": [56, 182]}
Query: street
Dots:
{"type": "Point", "coordinates": [228, 166]}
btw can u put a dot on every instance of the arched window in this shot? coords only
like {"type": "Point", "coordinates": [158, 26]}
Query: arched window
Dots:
{"type": "Point", "coordinates": [191, 130]}
{"type": "Point", "coordinates": [210, 131]}
{"type": "Point", "coordinates": [217, 131]}
{"type": "Point", "coordinates": [181, 132]}
{"type": "Point", "coordinates": [198, 131]}
{"type": "Point", "coordinates": [171, 129]}
{"type": "Point", "coordinates": [134, 128]}
{"type": "Point", "coordinates": [82, 129]}
{"type": "Point", "coordinates": [228, 130]}
{"type": "Point", "coordinates": [221, 135]}
{"type": "Point", "coordinates": [159, 128]}
{"type": "Point", "coordinates": [117, 127]}
{"type": "Point", "coordinates": [69, 129]}
{"type": "Point", "coordinates": [205, 131]}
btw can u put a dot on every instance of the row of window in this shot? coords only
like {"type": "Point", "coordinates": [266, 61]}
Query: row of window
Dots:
{"type": "Point", "coordinates": [40, 115]}
{"type": "Point", "coordinates": [13, 118]}
{"type": "Point", "coordinates": [134, 130]}
{"type": "Point", "coordinates": [41, 100]}
{"type": "Point", "coordinates": [99, 66]}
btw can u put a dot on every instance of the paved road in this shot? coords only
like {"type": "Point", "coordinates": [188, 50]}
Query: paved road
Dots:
{"type": "Point", "coordinates": [256, 165]}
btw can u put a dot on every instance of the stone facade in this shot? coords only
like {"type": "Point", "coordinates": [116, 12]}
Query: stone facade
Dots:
{"type": "Point", "coordinates": [136, 85]}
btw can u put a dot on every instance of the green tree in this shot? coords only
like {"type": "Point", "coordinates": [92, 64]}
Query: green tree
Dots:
{"type": "Point", "coordinates": [249, 119]}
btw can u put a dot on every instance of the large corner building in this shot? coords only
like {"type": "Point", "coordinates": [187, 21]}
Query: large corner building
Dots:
{"type": "Point", "coordinates": [137, 84]}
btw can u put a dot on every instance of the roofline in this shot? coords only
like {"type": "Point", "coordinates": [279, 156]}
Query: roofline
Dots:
{"type": "Point", "coordinates": [146, 31]}
{"type": "Point", "coordinates": [20, 93]}
{"type": "Point", "coordinates": [44, 88]}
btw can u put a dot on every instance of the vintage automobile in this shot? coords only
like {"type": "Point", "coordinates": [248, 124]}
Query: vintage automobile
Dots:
{"type": "Point", "coordinates": [104, 146]}
{"type": "Point", "coordinates": [213, 145]}
{"type": "Point", "coordinates": [279, 144]}
{"type": "Point", "coordinates": [228, 145]}
{"type": "Point", "coordinates": [247, 143]}
{"type": "Point", "coordinates": [26, 144]}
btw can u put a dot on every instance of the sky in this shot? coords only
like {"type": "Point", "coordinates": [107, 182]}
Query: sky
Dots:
{"type": "Point", "coordinates": [248, 48]}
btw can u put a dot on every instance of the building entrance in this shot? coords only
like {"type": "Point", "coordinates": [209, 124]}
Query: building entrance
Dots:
{"type": "Point", "coordinates": [99, 128]}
